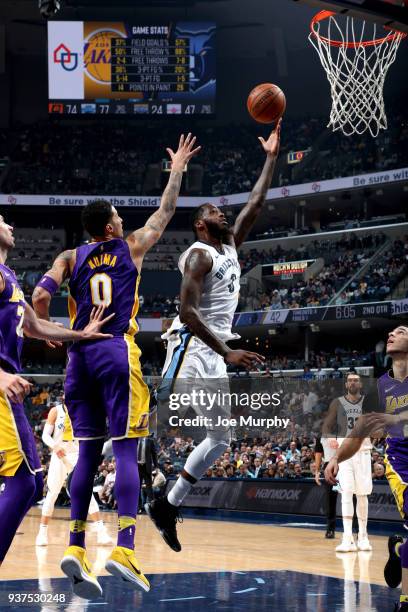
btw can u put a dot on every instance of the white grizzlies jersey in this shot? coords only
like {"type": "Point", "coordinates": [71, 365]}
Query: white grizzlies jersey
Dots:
{"type": "Point", "coordinates": [219, 299]}
{"type": "Point", "coordinates": [70, 446]}
{"type": "Point", "coordinates": [347, 416]}
{"type": "Point", "coordinates": [59, 424]}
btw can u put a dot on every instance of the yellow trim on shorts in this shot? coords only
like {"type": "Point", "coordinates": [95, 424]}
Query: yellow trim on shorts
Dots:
{"type": "Point", "coordinates": [68, 435]}
{"type": "Point", "coordinates": [139, 397]}
{"type": "Point", "coordinates": [133, 326]}
{"type": "Point", "coordinates": [397, 485]}
{"type": "Point", "coordinates": [72, 310]}
{"type": "Point", "coordinates": [10, 444]}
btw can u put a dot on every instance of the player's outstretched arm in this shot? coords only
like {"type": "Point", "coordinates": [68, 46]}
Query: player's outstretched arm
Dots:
{"type": "Point", "coordinates": [143, 239]}
{"type": "Point", "coordinates": [198, 264]}
{"type": "Point", "coordinates": [46, 330]}
{"type": "Point", "coordinates": [257, 198]}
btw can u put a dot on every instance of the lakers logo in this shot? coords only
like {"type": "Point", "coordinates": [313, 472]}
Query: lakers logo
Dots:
{"type": "Point", "coordinates": [2, 458]}
{"type": "Point", "coordinates": [98, 55]}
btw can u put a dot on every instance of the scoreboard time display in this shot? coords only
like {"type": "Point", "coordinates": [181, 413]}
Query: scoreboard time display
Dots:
{"type": "Point", "coordinates": [126, 69]}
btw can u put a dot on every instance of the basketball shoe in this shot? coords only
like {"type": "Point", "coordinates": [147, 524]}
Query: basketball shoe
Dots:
{"type": "Point", "coordinates": [347, 545]}
{"type": "Point", "coordinates": [42, 536]}
{"type": "Point", "coordinates": [123, 564]}
{"type": "Point", "coordinates": [165, 516]}
{"type": "Point", "coordinates": [76, 566]}
{"type": "Point", "coordinates": [392, 569]}
{"type": "Point", "coordinates": [363, 543]}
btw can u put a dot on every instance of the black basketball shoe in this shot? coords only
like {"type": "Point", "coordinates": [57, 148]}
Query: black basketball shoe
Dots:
{"type": "Point", "coordinates": [165, 516]}
{"type": "Point", "coordinates": [330, 535]}
{"type": "Point", "coordinates": [392, 569]}
{"type": "Point", "coordinates": [401, 607]}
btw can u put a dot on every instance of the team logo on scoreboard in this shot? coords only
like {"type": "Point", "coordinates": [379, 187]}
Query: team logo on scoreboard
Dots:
{"type": "Point", "coordinates": [64, 56]}
{"type": "Point", "coordinates": [98, 55]}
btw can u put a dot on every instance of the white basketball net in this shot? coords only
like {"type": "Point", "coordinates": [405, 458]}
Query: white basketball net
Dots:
{"type": "Point", "coordinates": [356, 72]}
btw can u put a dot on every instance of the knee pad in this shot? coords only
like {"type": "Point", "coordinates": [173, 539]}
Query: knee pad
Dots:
{"type": "Point", "coordinates": [214, 447]}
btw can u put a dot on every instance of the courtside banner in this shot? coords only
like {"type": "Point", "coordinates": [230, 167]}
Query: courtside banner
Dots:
{"type": "Point", "coordinates": [349, 182]}
{"type": "Point", "coordinates": [345, 312]}
{"type": "Point", "coordinates": [280, 496]}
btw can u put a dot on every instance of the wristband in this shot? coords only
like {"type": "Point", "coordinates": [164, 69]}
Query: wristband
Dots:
{"type": "Point", "coordinates": [49, 284]}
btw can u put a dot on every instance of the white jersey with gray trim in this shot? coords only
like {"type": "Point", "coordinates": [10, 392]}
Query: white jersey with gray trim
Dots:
{"type": "Point", "coordinates": [59, 424]}
{"type": "Point", "coordinates": [219, 299]}
{"type": "Point", "coordinates": [347, 416]}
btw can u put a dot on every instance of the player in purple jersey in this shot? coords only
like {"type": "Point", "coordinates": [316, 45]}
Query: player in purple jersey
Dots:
{"type": "Point", "coordinates": [106, 381]}
{"type": "Point", "coordinates": [20, 468]}
{"type": "Point", "coordinates": [389, 414]}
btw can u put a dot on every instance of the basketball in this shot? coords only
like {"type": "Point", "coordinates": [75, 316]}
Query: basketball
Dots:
{"type": "Point", "coordinates": [266, 103]}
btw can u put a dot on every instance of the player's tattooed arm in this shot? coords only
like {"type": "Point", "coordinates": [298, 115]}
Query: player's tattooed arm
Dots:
{"type": "Point", "coordinates": [249, 214]}
{"type": "Point", "coordinates": [60, 271]}
{"type": "Point", "coordinates": [198, 265]}
{"type": "Point", "coordinates": [143, 239]}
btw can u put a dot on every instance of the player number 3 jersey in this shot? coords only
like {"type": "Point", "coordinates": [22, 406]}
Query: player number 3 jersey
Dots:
{"type": "Point", "coordinates": [219, 299]}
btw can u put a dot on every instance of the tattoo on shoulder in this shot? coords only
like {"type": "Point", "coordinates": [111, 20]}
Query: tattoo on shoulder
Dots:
{"type": "Point", "coordinates": [199, 260]}
{"type": "Point", "coordinates": [66, 255]}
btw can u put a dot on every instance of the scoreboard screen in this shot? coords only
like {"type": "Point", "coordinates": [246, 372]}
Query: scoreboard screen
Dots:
{"type": "Point", "coordinates": [116, 68]}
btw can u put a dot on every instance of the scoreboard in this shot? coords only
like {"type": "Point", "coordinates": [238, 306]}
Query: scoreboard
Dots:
{"type": "Point", "coordinates": [121, 68]}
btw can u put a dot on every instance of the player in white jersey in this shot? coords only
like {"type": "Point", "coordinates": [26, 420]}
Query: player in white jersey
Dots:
{"type": "Point", "coordinates": [355, 475]}
{"type": "Point", "coordinates": [197, 349]}
{"type": "Point", "coordinates": [57, 435]}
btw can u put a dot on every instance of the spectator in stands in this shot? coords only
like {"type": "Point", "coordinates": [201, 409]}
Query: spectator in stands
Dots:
{"type": "Point", "coordinates": [378, 472]}
{"type": "Point", "coordinates": [257, 469]}
{"type": "Point", "coordinates": [281, 471]}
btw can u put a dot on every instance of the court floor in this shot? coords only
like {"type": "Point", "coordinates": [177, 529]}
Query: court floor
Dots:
{"type": "Point", "coordinates": [224, 565]}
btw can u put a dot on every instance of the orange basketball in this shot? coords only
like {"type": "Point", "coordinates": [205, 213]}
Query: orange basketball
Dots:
{"type": "Point", "coordinates": [266, 103]}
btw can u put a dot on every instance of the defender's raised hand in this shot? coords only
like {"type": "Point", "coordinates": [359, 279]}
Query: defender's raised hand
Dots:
{"type": "Point", "coordinates": [184, 152]}
{"type": "Point", "coordinates": [96, 321]}
{"type": "Point", "coordinates": [271, 146]}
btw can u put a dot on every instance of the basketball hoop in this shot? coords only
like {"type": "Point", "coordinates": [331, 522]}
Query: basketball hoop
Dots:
{"type": "Point", "coordinates": [356, 62]}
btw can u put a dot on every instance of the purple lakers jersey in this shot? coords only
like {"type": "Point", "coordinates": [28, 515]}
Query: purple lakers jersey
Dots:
{"type": "Point", "coordinates": [393, 396]}
{"type": "Point", "coordinates": [12, 307]}
{"type": "Point", "coordinates": [104, 273]}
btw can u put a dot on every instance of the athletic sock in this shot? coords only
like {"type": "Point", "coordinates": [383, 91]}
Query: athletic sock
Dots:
{"type": "Point", "coordinates": [198, 461]}
{"type": "Point", "coordinates": [348, 527]}
{"type": "Point", "coordinates": [126, 531]}
{"type": "Point", "coordinates": [362, 515]}
{"type": "Point", "coordinates": [179, 491]}
{"type": "Point", "coordinates": [81, 488]}
{"type": "Point", "coordinates": [127, 489]}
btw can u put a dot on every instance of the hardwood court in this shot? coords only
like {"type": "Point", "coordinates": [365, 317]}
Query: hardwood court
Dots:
{"type": "Point", "coordinates": [208, 546]}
